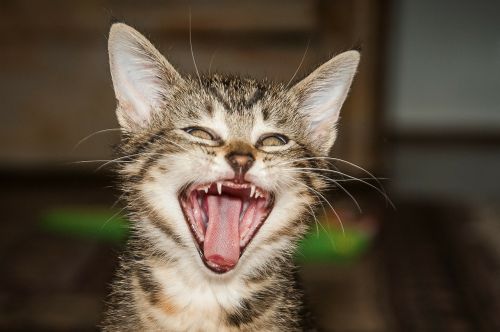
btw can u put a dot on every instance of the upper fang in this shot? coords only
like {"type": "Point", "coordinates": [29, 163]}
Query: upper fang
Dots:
{"type": "Point", "coordinates": [252, 190]}
{"type": "Point", "coordinates": [219, 187]}
{"type": "Point", "coordinates": [205, 189]}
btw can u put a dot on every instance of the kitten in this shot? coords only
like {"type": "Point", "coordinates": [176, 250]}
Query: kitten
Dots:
{"type": "Point", "coordinates": [219, 176]}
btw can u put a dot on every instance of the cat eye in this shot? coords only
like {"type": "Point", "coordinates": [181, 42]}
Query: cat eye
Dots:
{"type": "Point", "coordinates": [201, 133]}
{"type": "Point", "coordinates": [273, 140]}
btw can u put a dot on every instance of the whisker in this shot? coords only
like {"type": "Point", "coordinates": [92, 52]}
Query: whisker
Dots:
{"type": "Point", "coordinates": [344, 190]}
{"type": "Point", "coordinates": [92, 135]}
{"type": "Point", "coordinates": [210, 62]}
{"type": "Point", "coordinates": [117, 160]}
{"type": "Point", "coordinates": [317, 222]}
{"type": "Point", "coordinates": [352, 180]}
{"type": "Point", "coordinates": [340, 160]}
{"type": "Point", "coordinates": [300, 64]}
{"type": "Point", "coordinates": [93, 161]}
{"type": "Point", "coordinates": [133, 155]}
{"type": "Point", "coordinates": [171, 142]}
{"type": "Point", "coordinates": [326, 201]}
{"type": "Point", "coordinates": [112, 217]}
{"type": "Point", "coordinates": [349, 176]}
{"type": "Point", "coordinates": [191, 46]}
{"type": "Point", "coordinates": [336, 181]}
{"type": "Point", "coordinates": [311, 210]}
{"type": "Point", "coordinates": [88, 161]}
{"type": "Point", "coordinates": [121, 197]}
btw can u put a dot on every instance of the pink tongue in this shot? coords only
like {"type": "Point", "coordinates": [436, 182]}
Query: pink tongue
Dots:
{"type": "Point", "coordinates": [222, 239]}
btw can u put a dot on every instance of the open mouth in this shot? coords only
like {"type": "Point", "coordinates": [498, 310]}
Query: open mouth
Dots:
{"type": "Point", "coordinates": [224, 217]}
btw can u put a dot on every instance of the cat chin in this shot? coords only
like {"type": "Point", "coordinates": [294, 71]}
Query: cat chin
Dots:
{"type": "Point", "coordinates": [224, 217]}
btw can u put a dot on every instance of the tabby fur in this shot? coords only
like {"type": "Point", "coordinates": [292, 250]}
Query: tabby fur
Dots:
{"type": "Point", "coordinates": [162, 284]}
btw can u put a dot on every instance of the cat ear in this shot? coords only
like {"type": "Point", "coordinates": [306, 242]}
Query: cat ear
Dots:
{"type": "Point", "coordinates": [142, 77]}
{"type": "Point", "coordinates": [321, 95]}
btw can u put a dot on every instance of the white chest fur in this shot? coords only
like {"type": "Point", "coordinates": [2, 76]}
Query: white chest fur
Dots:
{"type": "Point", "coordinates": [188, 301]}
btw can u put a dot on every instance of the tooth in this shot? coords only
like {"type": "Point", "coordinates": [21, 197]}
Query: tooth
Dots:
{"type": "Point", "coordinates": [219, 187]}
{"type": "Point", "coordinates": [252, 191]}
{"type": "Point", "coordinates": [257, 194]}
{"type": "Point", "coordinates": [206, 190]}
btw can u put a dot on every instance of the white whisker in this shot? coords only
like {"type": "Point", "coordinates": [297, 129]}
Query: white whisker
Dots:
{"type": "Point", "coordinates": [92, 135]}
{"type": "Point", "coordinates": [320, 201]}
{"type": "Point", "coordinates": [349, 176]}
{"type": "Point", "coordinates": [112, 217]}
{"type": "Point", "coordinates": [171, 142]}
{"type": "Point", "coordinates": [211, 61]}
{"type": "Point", "coordinates": [326, 201]}
{"type": "Point", "coordinates": [344, 190]}
{"type": "Point", "coordinates": [300, 64]}
{"type": "Point", "coordinates": [191, 46]}
{"type": "Point", "coordinates": [340, 160]}
{"type": "Point", "coordinates": [311, 210]}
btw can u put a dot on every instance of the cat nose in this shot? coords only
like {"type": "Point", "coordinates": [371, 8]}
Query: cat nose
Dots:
{"type": "Point", "coordinates": [241, 163]}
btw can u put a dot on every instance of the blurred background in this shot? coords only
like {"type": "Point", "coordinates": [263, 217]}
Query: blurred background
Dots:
{"type": "Point", "coordinates": [423, 117]}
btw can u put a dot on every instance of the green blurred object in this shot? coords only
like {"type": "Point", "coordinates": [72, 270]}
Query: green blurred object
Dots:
{"type": "Point", "coordinates": [332, 246]}
{"type": "Point", "coordinates": [108, 225]}
{"type": "Point", "coordinates": [96, 223]}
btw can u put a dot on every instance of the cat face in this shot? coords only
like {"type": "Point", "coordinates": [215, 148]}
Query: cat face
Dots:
{"type": "Point", "coordinates": [219, 171]}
